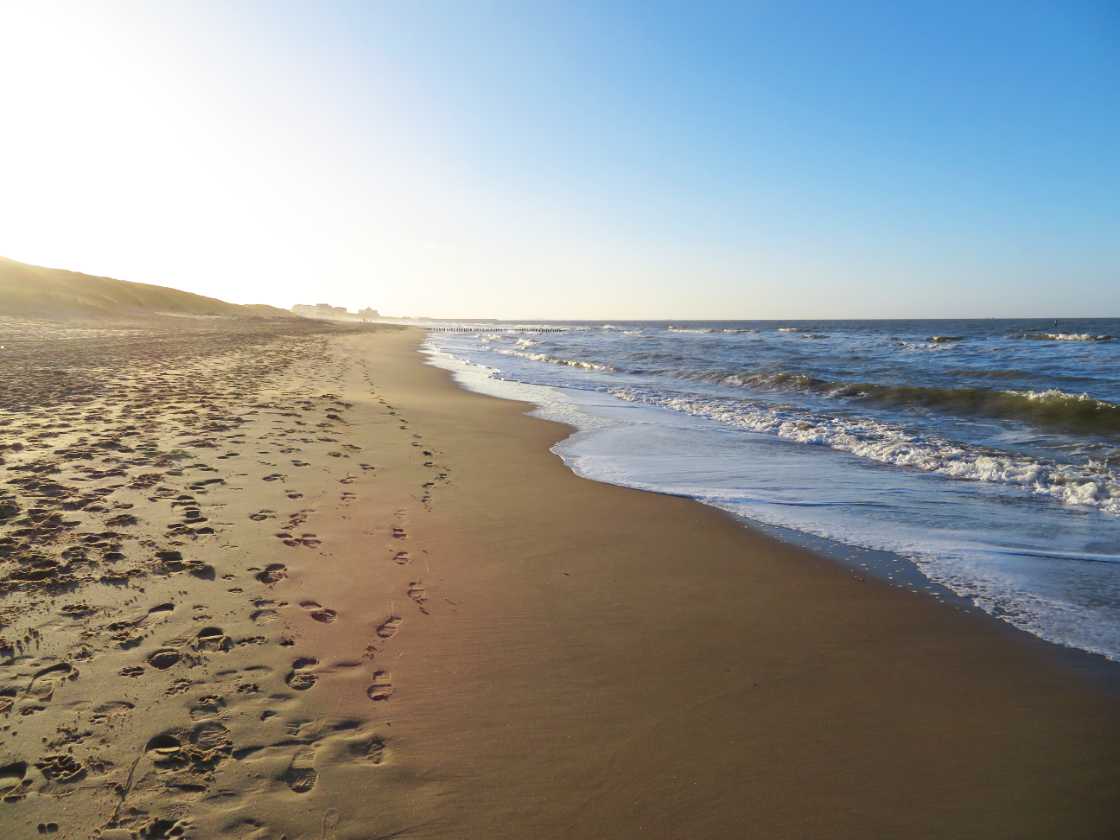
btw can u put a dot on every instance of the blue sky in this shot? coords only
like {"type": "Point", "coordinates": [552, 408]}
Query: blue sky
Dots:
{"type": "Point", "coordinates": [582, 159]}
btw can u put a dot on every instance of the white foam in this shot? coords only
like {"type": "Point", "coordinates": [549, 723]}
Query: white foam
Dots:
{"type": "Point", "coordinates": [890, 444]}
{"type": "Point", "coordinates": [1059, 336]}
{"type": "Point", "coordinates": [555, 360]}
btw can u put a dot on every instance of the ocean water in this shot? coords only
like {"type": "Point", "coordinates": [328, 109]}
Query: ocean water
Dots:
{"type": "Point", "coordinates": [986, 452]}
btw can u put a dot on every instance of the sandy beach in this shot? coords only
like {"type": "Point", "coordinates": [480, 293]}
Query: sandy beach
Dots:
{"type": "Point", "coordinates": [276, 578]}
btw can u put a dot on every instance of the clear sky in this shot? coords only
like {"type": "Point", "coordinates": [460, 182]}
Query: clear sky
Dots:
{"type": "Point", "coordinates": [573, 160]}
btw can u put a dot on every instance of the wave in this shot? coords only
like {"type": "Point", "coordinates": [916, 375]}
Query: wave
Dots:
{"type": "Point", "coordinates": [1091, 485]}
{"type": "Point", "coordinates": [1052, 409]}
{"type": "Point", "coordinates": [555, 360]}
{"type": "Point", "coordinates": [779, 380]}
{"type": "Point", "coordinates": [922, 346]}
{"type": "Point", "coordinates": [1059, 336]}
{"type": "Point", "coordinates": [945, 339]}
{"type": "Point", "coordinates": [492, 338]}
{"type": "Point", "coordinates": [710, 330]}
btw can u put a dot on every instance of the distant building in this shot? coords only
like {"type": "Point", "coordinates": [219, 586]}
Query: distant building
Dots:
{"type": "Point", "coordinates": [322, 310]}
{"type": "Point", "coordinates": [325, 311]}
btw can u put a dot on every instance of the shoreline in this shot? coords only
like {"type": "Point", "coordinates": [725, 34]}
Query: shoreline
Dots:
{"type": "Point", "coordinates": [349, 598]}
{"type": "Point", "coordinates": [888, 567]}
{"type": "Point", "coordinates": [1017, 519]}
{"type": "Point", "coordinates": [964, 629]}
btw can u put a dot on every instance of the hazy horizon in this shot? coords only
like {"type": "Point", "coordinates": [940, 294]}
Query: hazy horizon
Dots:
{"type": "Point", "coordinates": [596, 162]}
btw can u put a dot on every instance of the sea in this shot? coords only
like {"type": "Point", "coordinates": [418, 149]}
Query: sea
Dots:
{"type": "Point", "coordinates": [981, 457]}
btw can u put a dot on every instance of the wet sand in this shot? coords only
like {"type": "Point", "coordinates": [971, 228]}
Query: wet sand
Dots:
{"type": "Point", "coordinates": [282, 579]}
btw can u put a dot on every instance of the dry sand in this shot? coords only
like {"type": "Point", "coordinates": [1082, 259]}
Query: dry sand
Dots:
{"type": "Point", "coordinates": [283, 580]}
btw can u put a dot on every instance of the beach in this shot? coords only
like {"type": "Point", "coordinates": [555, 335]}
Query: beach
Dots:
{"type": "Point", "coordinates": [279, 578]}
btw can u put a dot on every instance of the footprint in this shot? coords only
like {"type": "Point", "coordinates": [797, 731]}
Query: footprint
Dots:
{"type": "Point", "coordinates": [107, 711]}
{"type": "Point", "coordinates": [163, 658]}
{"type": "Point", "coordinates": [418, 594]}
{"type": "Point", "coordinates": [272, 573]}
{"type": "Point", "coordinates": [371, 750]}
{"type": "Point", "coordinates": [61, 768]}
{"type": "Point", "coordinates": [200, 750]}
{"type": "Point", "coordinates": [207, 707]}
{"type": "Point", "coordinates": [307, 539]}
{"type": "Point", "coordinates": [13, 780]}
{"type": "Point", "coordinates": [159, 611]}
{"type": "Point", "coordinates": [212, 638]}
{"type": "Point", "coordinates": [299, 678]}
{"type": "Point", "coordinates": [157, 828]}
{"type": "Point", "coordinates": [388, 628]}
{"type": "Point", "coordinates": [46, 680]}
{"type": "Point", "coordinates": [320, 613]}
{"type": "Point", "coordinates": [381, 688]}
{"type": "Point", "coordinates": [301, 774]}
{"type": "Point", "coordinates": [211, 736]}
{"type": "Point", "coordinates": [164, 750]}
{"type": "Point", "coordinates": [401, 558]}
{"type": "Point", "coordinates": [170, 560]}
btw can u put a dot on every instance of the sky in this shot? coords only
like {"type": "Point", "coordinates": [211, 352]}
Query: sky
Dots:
{"type": "Point", "coordinates": [598, 160]}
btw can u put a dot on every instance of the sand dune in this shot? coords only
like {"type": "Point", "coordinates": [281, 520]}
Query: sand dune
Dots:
{"type": "Point", "coordinates": [31, 291]}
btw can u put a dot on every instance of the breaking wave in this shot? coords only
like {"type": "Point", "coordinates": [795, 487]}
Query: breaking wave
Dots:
{"type": "Point", "coordinates": [1090, 485]}
{"type": "Point", "coordinates": [555, 360]}
{"type": "Point", "coordinates": [1059, 336]}
{"type": "Point", "coordinates": [1052, 409]}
